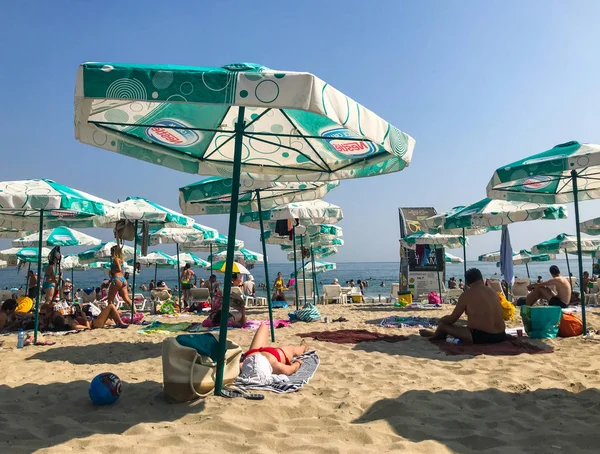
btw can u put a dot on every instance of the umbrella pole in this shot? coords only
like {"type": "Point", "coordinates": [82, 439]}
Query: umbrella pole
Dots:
{"type": "Point", "coordinates": [314, 276]}
{"type": "Point", "coordinates": [27, 280]}
{"type": "Point", "coordinates": [37, 301]}
{"type": "Point", "coordinates": [579, 257]}
{"type": "Point", "coordinates": [132, 296]}
{"type": "Point", "coordinates": [72, 284]}
{"type": "Point", "coordinates": [303, 264]}
{"type": "Point", "coordinates": [178, 279]}
{"type": "Point", "coordinates": [464, 256]}
{"type": "Point", "coordinates": [264, 248]}
{"type": "Point", "coordinates": [295, 264]}
{"type": "Point", "coordinates": [527, 268]}
{"type": "Point", "coordinates": [235, 195]}
{"type": "Point", "coordinates": [568, 266]}
{"type": "Point", "coordinates": [437, 267]}
{"type": "Point", "coordinates": [211, 258]}
{"type": "Point", "coordinates": [155, 272]}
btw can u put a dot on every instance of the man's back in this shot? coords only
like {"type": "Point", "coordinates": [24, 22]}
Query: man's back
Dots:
{"type": "Point", "coordinates": [249, 288]}
{"type": "Point", "coordinates": [563, 288]}
{"type": "Point", "coordinates": [483, 308]}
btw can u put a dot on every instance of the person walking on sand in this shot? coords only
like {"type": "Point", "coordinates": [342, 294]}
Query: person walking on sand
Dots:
{"type": "Point", "coordinates": [541, 290]}
{"type": "Point", "coordinates": [485, 321]}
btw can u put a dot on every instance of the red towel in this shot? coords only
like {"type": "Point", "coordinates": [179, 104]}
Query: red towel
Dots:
{"type": "Point", "coordinates": [507, 348]}
{"type": "Point", "coordinates": [351, 336]}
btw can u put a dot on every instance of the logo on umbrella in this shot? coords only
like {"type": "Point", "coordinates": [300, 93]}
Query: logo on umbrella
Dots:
{"type": "Point", "coordinates": [348, 148]}
{"type": "Point", "coordinates": [536, 183]}
{"type": "Point", "coordinates": [162, 132]}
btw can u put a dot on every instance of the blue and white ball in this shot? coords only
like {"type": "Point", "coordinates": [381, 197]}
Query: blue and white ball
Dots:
{"type": "Point", "coordinates": [105, 389]}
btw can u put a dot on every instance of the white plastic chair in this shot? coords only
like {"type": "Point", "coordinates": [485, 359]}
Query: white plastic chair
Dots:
{"type": "Point", "coordinates": [309, 289]}
{"type": "Point", "coordinates": [334, 294]}
{"type": "Point", "coordinates": [200, 295]}
{"type": "Point", "coordinates": [394, 289]}
{"type": "Point", "coordinates": [140, 302]}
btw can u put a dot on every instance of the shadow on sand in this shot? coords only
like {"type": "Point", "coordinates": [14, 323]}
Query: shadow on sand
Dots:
{"type": "Point", "coordinates": [105, 353]}
{"type": "Point", "coordinates": [545, 420]}
{"type": "Point", "coordinates": [63, 412]}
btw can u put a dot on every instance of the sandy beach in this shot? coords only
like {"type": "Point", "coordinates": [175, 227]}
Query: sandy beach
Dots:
{"type": "Point", "coordinates": [369, 397]}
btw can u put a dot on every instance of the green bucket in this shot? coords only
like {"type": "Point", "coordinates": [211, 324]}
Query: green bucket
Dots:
{"type": "Point", "coordinates": [541, 322]}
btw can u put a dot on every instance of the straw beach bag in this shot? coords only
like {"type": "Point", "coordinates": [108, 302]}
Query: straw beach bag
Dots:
{"type": "Point", "coordinates": [190, 366]}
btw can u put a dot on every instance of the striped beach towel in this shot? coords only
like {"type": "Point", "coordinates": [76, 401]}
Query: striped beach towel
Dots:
{"type": "Point", "coordinates": [296, 381]}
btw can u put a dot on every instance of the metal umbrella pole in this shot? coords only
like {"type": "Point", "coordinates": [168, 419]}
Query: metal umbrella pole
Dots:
{"type": "Point", "coordinates": [235, 194]}
{"type": "Point", "coordinates": [155, 272]}
{"type": "Point", "coordinates": [37, 301]}
{"type": "Point", "coordinates": [314, 276]}
{"type": "Point", "coordinates": [464, 256]}
{"type": "Point", "coordinates": [568, 266]}
{"type": "Point", "coordinates": [132, 296]}
{"type": "Point", "coordinates": [303, 264]}
{"type": "Point", "coordinates": [527, 268]}
{"type": "Point", "coordinates": [295, 265]}
{"type": "Point", "coordinates": [579, 256]}
{"type": "Point", "coordinates": [264, 248]}
{"type": "Point", "coordinates": [178, 279]}
{"type": "Point", "coordinates": [437, 267]}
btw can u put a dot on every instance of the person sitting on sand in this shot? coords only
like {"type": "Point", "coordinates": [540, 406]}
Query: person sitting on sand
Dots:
{"type": "Point", "coordinates": [109, 313]}
{"type": "Point", "coordinates": [6, 313]}
{"type": "Point", "coordinates": [485, 321]}
{"type": "Point", "coordinates": [237, 312]}
{"type": "Point", "coordinates": [262, 361]}
{"type": "Point", "coordinates": [541, 291]}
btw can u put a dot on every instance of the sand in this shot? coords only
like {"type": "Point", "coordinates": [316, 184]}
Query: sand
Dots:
{"type": "Point", "coordinates": [371, 397]}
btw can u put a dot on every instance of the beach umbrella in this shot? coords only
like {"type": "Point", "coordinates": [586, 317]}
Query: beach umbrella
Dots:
{"type": "Point", "coordinates": [35, 204]}
{"type": "Point", "coordinates": [249, 257]}
{"type": "Point", "coordinates": [11, 233]}
{"type": "Point", "coordinates": [193, 259]}
{"type": "Point", "coordinates": [318, 253]}
{"type": "Point", "coordinates": [452, 258]}
{"type": "Point", "coordinates": [3, 264]}
{"type": "Point", "coordinates": [218, 243]}
{"type": "Point", "coordinates": [102, 252]}
{"type": "Point", "coordinates": [591, 227]}
{"type": "Point", "coordinates": [523, 257]}
{"type": "Point", "coordinates": [213, 195]}
{"type": "Point", "coordinates": [567, 244]}
{"type": "Point", "coordinates": [271, 125]}
{"type": "Point", "coordinates": [317, 266]}
{"type": "Point", "coordinates": [506, 263]}
{"type": "Point", "coordinates": [566, 173]}
{"type": "Point", "coordinates": [182, 235]}
{"type": "Point", "coordinates": [59, 236]}
{"type": "Point", "coordinates": [315, 239]}
{"type": "Point", "coordinates": [221, 267]}
{"type": "Point", "coordinates": [24, 254]}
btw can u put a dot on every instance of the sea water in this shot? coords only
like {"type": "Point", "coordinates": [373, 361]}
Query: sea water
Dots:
{"type": "Point", "coordinates": [375, 273]}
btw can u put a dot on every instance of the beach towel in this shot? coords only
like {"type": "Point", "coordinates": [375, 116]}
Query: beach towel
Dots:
{"type": "Point", "coordinates": [310, 363]}
{"type": "Point", "coordinates": [164, 328]}
{"type": "Point", "coordinates": [255, 324]}
{"type": "Point", "coordinates": [510, 347]}
{"type": "Point", "coordinates": [408, 322]}
{"type": "Point", "coordinates": [351, 336]}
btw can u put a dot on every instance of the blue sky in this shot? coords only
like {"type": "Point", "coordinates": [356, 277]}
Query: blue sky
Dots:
{"type": "Point", "coordinates": [477, 84]}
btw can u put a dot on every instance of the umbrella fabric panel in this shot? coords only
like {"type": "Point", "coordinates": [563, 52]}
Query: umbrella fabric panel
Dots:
{"type": "Point", "coordinates": [215, 244]}
{"type": "Point", "coordinates": [192, 259]}
{"type": "Point", "coordinates": [565, 243]}
{"type": "Point", "coordinates": [102, 251]}
{"type": "Point", "coordinates": [140, 209]}
{"type": "Point", "coordinates": [313, 212]}
{"type": "Point", "coordinates": [60, 236]}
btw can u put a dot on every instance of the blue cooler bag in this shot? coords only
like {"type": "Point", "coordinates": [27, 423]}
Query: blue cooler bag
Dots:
{"type": "Point", "coordinates": [541, 322]}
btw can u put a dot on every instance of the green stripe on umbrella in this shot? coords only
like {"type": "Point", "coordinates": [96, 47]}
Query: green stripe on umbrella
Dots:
{"type": "Point", "coordinates": [60, 236]}
{"type": "Point", "coordinates": [140, 209]}
{"type": "Point", "coordinates": [156, 258]}
{"type": "Point", "coordinates": [320, 267]}
{"type": "Point", "coordinates": [192, 259]}
{"type": "Point", "coordinates": [452, 258]}
{"type": "Point", "coordinates": [24, 254]}
{"type": "Point", "coordinates": [215, 244]}
{"type": "Point", "coordinates": [243, 254]}
{"type": "Point", "coordinates": [313, 212]}
{"type": "Point", "coordinates": [102, 252]}
{"type": "Point", "coordinates": [449, 241]}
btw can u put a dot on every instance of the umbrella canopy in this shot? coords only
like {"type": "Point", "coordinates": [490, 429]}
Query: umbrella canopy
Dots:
{"type": "Point", "coordinates": [248, 256]}
{"type": "Point", "coordinates": [140, 209]}
{"type": "Point", "coordinates": [60, 236]}
{"type": "Point", "coordinates": [192, 259]}
{"type": "Point", "coordinates": [315, 239]}
{"type": "Point", "coordinates": [71, 262]}
{"type": "Point", "coordinates": [317, 253]}
{"type": "Point", "coordinates": [297, 127]}
{"type": "Point", "coordinates": [519, 258]}
{"type": "Point", "coordinates": [196, 234]}
{"type": "Point", "coordinates": [213, 195]}
{"type": "Point", "coordinates": [313, 212]}
{"type": "Point", "coordinates": [435, 224]}
{"type": "Point", "coordinates": [449, 241]}
{"type": "Point", "coordinates": [25, 254]}
{"type": "Point", "coordinates": [452, 258]}
{"type": "Point", "coordinates": [565, 243]}
{"type": "Point", "coordinates": [21, 202]}
{"type": "Point", "coordinates": [488, 213]}
{"type": "Point", "coordinates": [591, 227]}
{"type": "Point", "coordinates": [214, 244]}
{"type": "Point", "coordinates": [102, 252]}
{"type": "Point", "coordinates": [3, 264]}
{"type": "Point", "coordinates": [157, 258]}
{"type": "Point", "coordinates": [220, 267]}
{"type": "Point", "coordinates": [12, 233]}
{"type": "Point", "coordinates": [320, 267]}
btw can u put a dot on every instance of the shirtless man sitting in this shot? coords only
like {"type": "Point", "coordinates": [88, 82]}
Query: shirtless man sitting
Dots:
{"type": "Point", "coordinates": [485, 322]}
{"type": "Point", "coordinates": [540, 290]}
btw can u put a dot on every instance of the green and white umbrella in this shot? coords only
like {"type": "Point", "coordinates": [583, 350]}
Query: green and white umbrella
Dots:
{"type": "Point", "coordinates": [12, 233]}
{"type": "Point", "coordinates": [102, 252]}
{"type": "Point", "coordinates": [156, 259]}
{"type": "Point", "coordinates": [71, 262]}
{"type": "Point", "coordinates": [3, 264]}
{"type": "Point", "coordinates": [179, 235]}
{"type": "Point", "coordinates": [140, 209]}
{"type": "Point", "coordinates": [566, 173]}
{"type": "Point", "coordinates": [249, 257]}
{"type": "Point", "coordinates": [317, 267]}
{"type": "Point", "coordinates": [567, 244]}
{"type": "Point", "coordinates": [60, 236]}
{"type": "Point", "coordinates": [523, 257]}
{"type": "Point", "coordinates": [313, 212]}
{"type": "Point", "coordinates": [316, 239]}
{"type": "Point", "coordinates": [591, 227]}
{"type": "Point", "coordinates": [271, 125]}
{"type": "Point", "coordinates": [437, 239]}
{"type": "Point", "coordinates": [213, 195]}
{"type": "Point", "coordinates": [24, 254]}
{"type": "Point", "coordinates": [193, 259]}
{"type": "Point", "coordinates": [452, 258]}
{"type": "Point", "coordinates": [317, 253]}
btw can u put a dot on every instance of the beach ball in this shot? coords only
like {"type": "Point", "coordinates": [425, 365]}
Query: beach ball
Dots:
{"type": "Point", "coordinates": [105, 389]}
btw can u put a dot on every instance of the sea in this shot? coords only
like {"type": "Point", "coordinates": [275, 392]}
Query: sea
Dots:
{"type": "Point", "coordinates": [375, 273]}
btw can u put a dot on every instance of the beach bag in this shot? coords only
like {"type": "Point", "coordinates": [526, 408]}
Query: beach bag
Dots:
{"type": "Point", "coordinates": [570, 326]}
{"type": "Point", "coordinates": [190, 366]}
{"type": "Point", "coordinates": [309, 313]}
{"type": "Point", "coordinates": [541, 322]}
{"type": "Point", "coordinates": [124, 230]}
{"type": "Point", "coordinates": [434, 298]}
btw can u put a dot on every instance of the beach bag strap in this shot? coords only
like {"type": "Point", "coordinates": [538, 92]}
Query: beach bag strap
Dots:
{"type": "Point", "coordinates": [206, 362]}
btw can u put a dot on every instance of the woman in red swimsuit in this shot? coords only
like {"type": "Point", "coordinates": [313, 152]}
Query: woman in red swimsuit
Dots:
{"type": "Point", "coordinates": [280, 358]}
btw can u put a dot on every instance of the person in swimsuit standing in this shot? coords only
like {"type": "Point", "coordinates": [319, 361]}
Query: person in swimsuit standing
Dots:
{"type": "Point", "coordinates": [118, 283]}
{"type": "Point", "coordinates": [540, 290]}
{"type": "Point", "coordinates": [186, 283]}
{"type": "Point", "coordinates": [50, 283]}
{"type": "Point", "coordinates": [32, 290]}
{"type": "Point", "coordinates": [485, 320]}
{"type": "Point", "coordinates": [278, 286]}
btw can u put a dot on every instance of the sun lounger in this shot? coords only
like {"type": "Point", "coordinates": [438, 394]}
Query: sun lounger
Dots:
{"type": "Point", "coordinates": [334, 294]}
{"type": "Point", "coordinates": [309, 289]}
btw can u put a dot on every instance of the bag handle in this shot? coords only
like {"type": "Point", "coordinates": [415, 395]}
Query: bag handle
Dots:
{"type": "Point", "coordinates": [204, 361]}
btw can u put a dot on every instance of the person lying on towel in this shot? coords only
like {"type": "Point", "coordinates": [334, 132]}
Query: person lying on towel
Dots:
{"type": "Point", "coordinates": [265, 365]}
{"type": "Point", "coordinates": [485, 322]}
